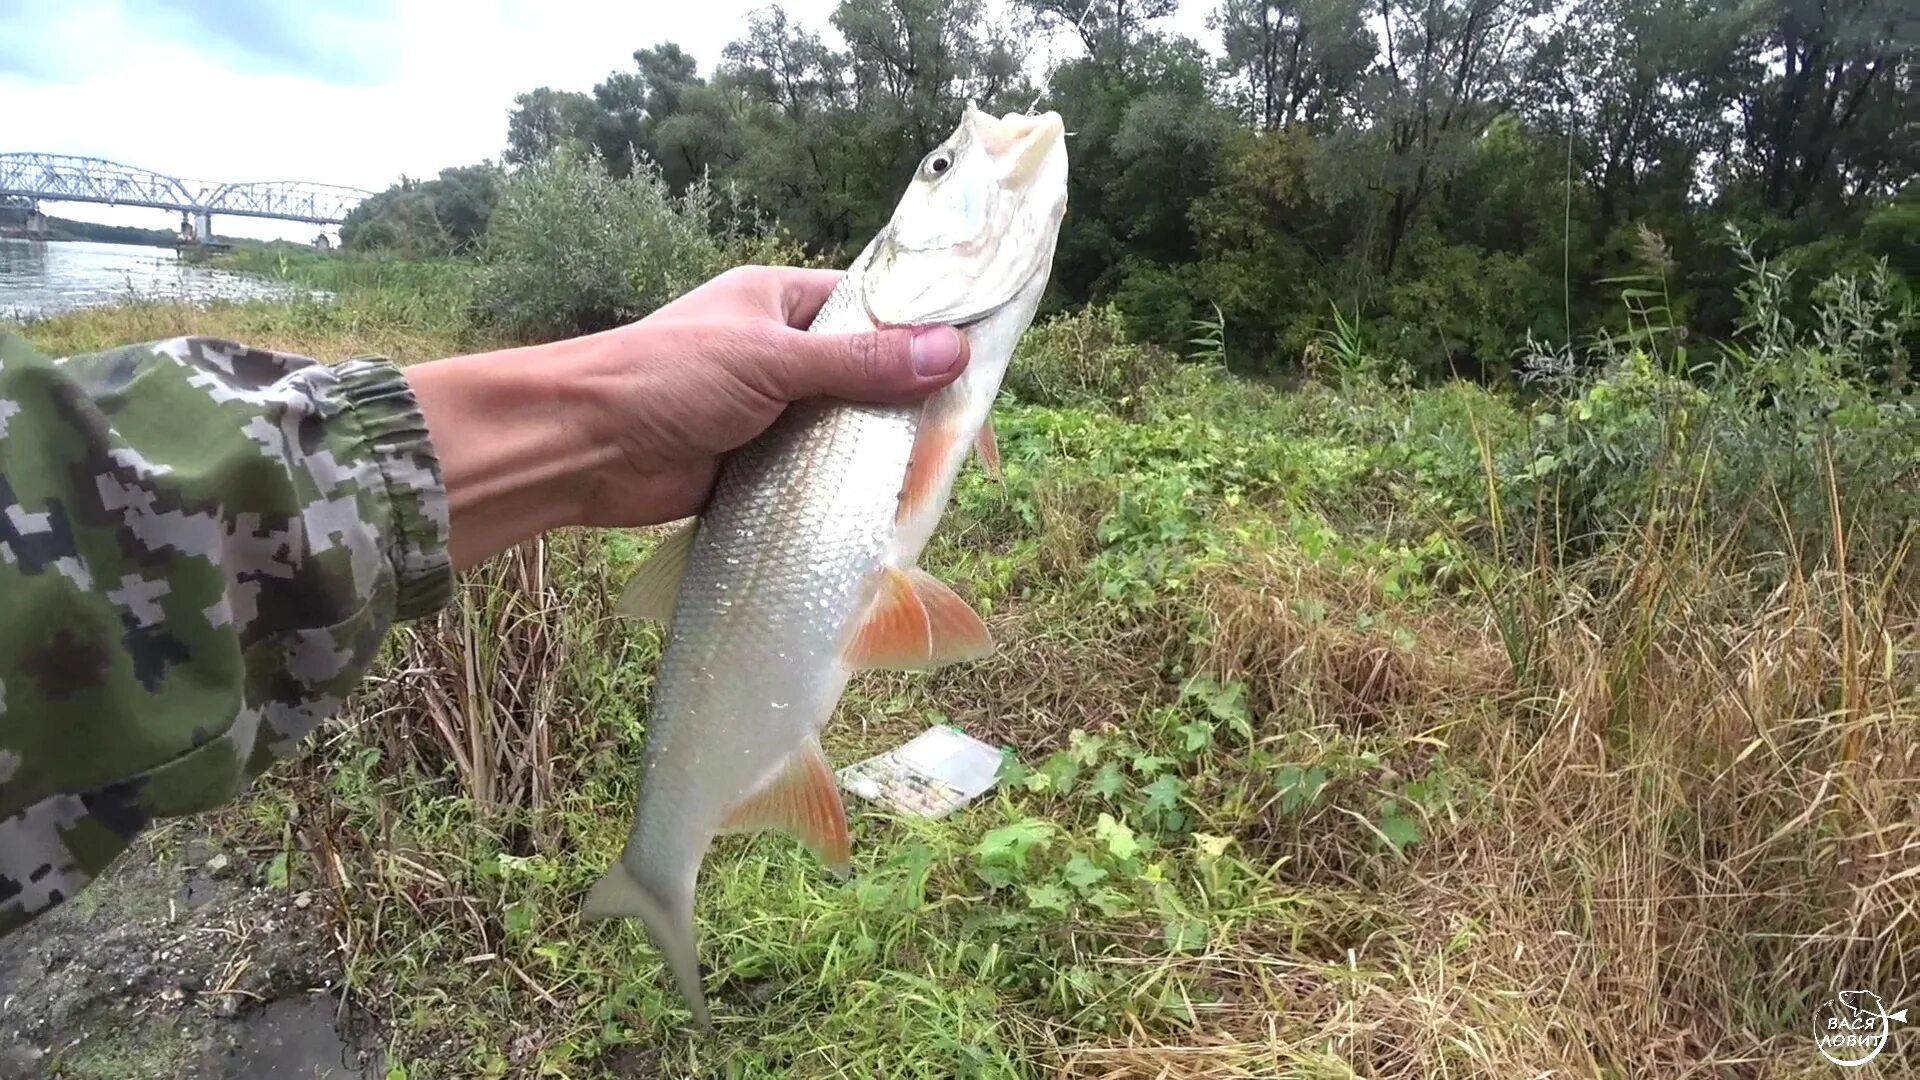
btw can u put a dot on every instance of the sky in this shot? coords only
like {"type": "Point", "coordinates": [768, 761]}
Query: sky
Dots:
{"type": "Point", "coordinates": [354, 92]}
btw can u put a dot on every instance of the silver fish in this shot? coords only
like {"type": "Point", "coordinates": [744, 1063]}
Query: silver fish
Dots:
{"type": "Point", "coordinates": [801, 569]}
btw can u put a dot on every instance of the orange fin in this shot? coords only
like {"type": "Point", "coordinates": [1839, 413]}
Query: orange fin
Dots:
{"type": "Point", "coordinates": [803, 801]}
{"type": "Point", "coordinates": [656, 585]}
{"type": "Point", "coordinates": [917, 624]}
{"type": "Point", "coordinates": [894, 635]}
{"type": "Point", "coordinates": [933, 446]}
{"type": "Point", "coordinates": [953, 627]}
{"type": "Point", "coordinates": [988, 449]}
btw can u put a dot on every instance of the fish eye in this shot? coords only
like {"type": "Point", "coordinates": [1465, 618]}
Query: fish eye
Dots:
{"type": "Point", "coordinates": [937, 162]}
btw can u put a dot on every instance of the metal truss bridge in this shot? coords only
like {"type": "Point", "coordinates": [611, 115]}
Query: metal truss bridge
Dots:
{"type": "Point", "coordinates": [68, 178]}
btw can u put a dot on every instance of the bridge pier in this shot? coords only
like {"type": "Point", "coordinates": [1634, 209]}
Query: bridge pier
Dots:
{"type": "Point", "coordinates": [203, 226]}
{"type": "Point", "coordinates": [20, 216]}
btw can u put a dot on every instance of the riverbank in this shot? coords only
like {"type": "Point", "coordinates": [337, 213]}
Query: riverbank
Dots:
{"type": "Point", "coordinates": [1361, 730]}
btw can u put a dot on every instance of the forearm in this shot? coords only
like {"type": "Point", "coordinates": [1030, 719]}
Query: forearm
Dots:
{"type": "Point", "coordinates": [201, 547]}
{"type": "Point", "coordinates": [512, 430]}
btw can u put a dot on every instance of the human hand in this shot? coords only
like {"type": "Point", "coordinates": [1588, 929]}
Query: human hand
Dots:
{"type": "Point", "coordinates": [714, 368]}
{"type": "Point", "coordinates": [627, 427]}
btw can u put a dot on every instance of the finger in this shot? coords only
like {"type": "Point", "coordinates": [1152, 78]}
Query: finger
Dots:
{"type": "Point", "coordinates": [803, 291]}
{"type": "Point", "coordinates": [887, 366]}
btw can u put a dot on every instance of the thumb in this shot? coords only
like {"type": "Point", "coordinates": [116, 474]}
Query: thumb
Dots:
{"type": "Point", "coordinates": [885, 365]}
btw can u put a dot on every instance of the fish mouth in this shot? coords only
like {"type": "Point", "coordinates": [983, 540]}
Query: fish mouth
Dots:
{"type": "Point", "coordinates": [1020, 142]}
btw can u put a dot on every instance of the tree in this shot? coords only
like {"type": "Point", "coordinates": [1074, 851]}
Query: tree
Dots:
{"type": "Point", "coordinates": [1627, 83]}
{"type": "Point", "coordinates": [1295, 61]}
{"type": "Point", "coordinates": [915, 64]}
{"type": "Point", "coordinates": [1110, 30]}
{"type": "Point", "coordinates": [447, 215]}
{"type": "Point", "coordinates": [1826, 103]}
{"type": "Point", "coordinates": [544, 119]}
{"type": "Point", "coordinates": [1444, 70]}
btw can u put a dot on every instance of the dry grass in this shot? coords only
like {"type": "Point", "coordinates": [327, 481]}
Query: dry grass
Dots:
{"type": "Point", "coordinates": [1702, 819]}
{"type": "Point", "coordinates": [1672, 803]}
{"type": "Point", "coordinates": [404, 329]}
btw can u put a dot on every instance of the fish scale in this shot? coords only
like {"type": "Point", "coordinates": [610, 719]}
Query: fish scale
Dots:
{"type": "Point", "coordinates": [801, 519]}
{"type": "Point", "coordinates": [802, 568]}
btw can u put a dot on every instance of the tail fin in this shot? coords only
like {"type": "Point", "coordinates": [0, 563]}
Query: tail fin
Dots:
{"type": "Point", "coordinates": [619, 894]}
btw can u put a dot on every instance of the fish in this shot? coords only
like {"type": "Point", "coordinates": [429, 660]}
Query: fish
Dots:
{"type": "Point", "coordinates": [802, 567]}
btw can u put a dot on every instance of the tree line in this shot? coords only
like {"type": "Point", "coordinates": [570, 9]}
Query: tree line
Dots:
{"type": "Point", "coordinates": [1446, 178]}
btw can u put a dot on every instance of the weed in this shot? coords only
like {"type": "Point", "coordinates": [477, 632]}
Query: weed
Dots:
{"type": "Point", "coordinates": [1358, 730]}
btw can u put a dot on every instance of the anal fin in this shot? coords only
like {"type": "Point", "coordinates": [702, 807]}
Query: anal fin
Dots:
{"type": "Point", "coordinates": [802, 800]}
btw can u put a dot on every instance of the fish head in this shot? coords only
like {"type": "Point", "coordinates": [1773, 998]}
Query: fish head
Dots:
{"type": "Point", "coordinates": [1860, 1001]}
{"type": "Point", "coordinates": [975, 226]}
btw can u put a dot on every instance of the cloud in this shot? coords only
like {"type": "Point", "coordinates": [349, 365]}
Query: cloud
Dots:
{"type": "Point", "coordinates": [341, 42]}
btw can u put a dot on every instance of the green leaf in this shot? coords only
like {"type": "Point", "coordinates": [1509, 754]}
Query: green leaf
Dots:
{"type": "Point", "coordinates": [1185, 934]}
{"type": "Point", "coordinates": [1062, 770]}
{"type": "Point", "coordinates": [1399, 831]}
{"type": "Point", "coordinates": [1085, 748]}
{"type": "Point", "coordinates": [519, 918]}
{"type": "Point", "coordinates": [1081, 871]}
{"type": "Point", "coordinates": [1111, 902]}
{"type": "Point", "coordinates": [1049, 897]}
{"type": "Point", "coordinates": [1149, 764]}
{"type": "Point", "coordinates": [1013, 771]}
{"type": "Point", "coordinates": [1117, 836]}
{"type": "Point", "coordinates": [1211, 847]}
{"type": "Point", "coordinates": [1015, 840]}
{"type": "Point", "coordinates": [1195, 736]}
{"type": "Point", "coordinates": [1109, 781]}
{"type": "Point", "coordinates": [1164, 793]}
{"type": "Point", "coordinates": [277, 872]}
{"type": "Point", "coordinates": [1299, 787]}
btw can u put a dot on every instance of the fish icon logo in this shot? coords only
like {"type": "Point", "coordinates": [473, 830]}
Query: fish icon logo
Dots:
{"type": "Point", "coordinates": [1854, 1027]}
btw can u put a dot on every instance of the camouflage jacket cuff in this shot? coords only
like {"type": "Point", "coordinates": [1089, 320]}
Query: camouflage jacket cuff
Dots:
{"type": "Point", "coordinates": [394, 432]}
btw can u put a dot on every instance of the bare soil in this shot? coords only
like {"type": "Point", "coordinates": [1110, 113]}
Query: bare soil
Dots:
{"type": "Point", "coordinates": [178, 962]}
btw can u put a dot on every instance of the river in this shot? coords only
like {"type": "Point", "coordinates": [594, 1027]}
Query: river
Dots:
{"type": "Point", "coordinates": [44, 277]}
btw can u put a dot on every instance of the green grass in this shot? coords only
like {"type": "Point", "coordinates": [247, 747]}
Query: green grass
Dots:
{"type": "Point", "coordinates": [1336, 756]}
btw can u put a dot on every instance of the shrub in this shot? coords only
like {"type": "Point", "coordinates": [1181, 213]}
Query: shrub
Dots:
{"type": "Point", "coordinates": [1786, 436]}
{"type": "Point", "coordinates": [1156, 302]}
{"type": "Point", "coordinates": [1085, 358]}
{"type": "Point", "coordinates": [573, 250]}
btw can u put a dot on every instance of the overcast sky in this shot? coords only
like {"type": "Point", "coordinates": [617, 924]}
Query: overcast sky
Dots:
{"type": "Point", "coordinates": [354, 92]}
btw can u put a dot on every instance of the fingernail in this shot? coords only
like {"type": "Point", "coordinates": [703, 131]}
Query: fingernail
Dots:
{"type": "Point", "coordinates": [936, 349]}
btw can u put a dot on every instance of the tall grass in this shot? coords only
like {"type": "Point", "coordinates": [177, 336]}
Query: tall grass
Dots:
{"type": "Point", "coordinates": [1351, 740]}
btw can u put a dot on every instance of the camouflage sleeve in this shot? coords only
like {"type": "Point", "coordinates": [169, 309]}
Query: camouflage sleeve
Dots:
{"type": "Point", "coordinates": [201, 547]}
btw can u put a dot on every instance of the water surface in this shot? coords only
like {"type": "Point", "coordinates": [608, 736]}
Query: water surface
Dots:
{"type": "Point", "coordinates": [40, 277]}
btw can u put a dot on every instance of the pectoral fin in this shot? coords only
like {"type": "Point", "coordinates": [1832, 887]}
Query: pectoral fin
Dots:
{"type": "Point", "coordinates": [940, 435]}
{"type": "Point", "coordinates": [988, 449]}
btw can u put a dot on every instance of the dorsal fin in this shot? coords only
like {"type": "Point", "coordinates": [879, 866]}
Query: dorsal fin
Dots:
{"type": "Point", "coordinates": [656, 584]}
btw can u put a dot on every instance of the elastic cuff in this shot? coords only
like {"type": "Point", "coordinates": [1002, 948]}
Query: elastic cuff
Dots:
{"type": "Point", "coordinates": [378, 396]}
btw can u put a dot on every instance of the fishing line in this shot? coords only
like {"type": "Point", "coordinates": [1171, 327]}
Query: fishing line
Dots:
{"type": "Point", "coordinates": [1079, 27]}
